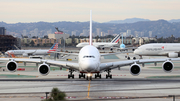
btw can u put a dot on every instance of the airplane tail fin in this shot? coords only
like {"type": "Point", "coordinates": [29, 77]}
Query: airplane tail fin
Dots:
{"type": "Point", "coordinates": [11, 55]}
{"type": "Point", "coordinates": [90, 33]}
{"type": "Point", "coordinates": [116, 39]}
{"type": "Point", "coordinates": [53, 48]}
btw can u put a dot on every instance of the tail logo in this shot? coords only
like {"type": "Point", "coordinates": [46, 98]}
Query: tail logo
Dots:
{"type": "Point", "coordinates": [116, 39]}
{"type": "Point", "coordinates": [53, 48]}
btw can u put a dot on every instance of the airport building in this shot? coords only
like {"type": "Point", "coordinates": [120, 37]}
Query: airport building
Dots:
{"type": "Point", "coordinates": [2, 31]}
{"type": "Point", "coordinates": [58, 36]}
{"type": "Point", "coordinates": [8, 42]}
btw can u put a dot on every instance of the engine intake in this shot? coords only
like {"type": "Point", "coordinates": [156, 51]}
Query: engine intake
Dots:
{"type": "Point", "coordinates": [44, 69]}
{"type": "Point", "coordinates": [168, 66]}
{"type": "Point", "coordinates": [12, 66]}
{"type": "Point", "coordinates": [135, 69]}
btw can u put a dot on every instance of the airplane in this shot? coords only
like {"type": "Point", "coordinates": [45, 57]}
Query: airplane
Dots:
{"type": "Point", "coordinates": [26, 53]}
{"type": "Point", "coordinates": [89, 62]}
{"type": "Point", "coordinates": [123, 47]}
{"type": "Point", "coordinates": [101, 45]}
{"type": "Point", "coordinates": [171, 50]}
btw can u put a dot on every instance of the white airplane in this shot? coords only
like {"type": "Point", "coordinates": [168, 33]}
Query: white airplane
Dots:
{"type": "Point", "coordinates": [101, 45]}
{"type": "Point", "coordinates": [26, 53]}
{"type": "Point", "coordinates": [89, 62]}
{"type": "Point", "coordinates": [171, 50]}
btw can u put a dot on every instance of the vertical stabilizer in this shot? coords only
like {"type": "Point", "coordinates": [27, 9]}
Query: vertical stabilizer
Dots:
{"type": "Point", "coordinates": [122, 39]}
{"type": "Point", "coordinates": [90, 33]}
{"type": "Point", "coordinates": [116, 39]}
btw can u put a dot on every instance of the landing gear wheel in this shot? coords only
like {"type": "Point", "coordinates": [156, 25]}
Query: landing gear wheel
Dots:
{"type": "Point", "coordinates": [81, 75]}
{"type": "Point", "coordinates": [98, 75]}
{"type": "Point", "coordinates": [71, 75]}
{"type": "Point", "coordinates": [108, 75]}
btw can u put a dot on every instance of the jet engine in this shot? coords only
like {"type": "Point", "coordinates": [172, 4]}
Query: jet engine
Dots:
{"type": "Point", "coordinates": [12, 66]}
{"type": "Point", "coordinates": [135, 69]}
{"type": "Point", "coordinates": [168, 66]}
{"type": "Point", "coordinates": [173, 55]}
{"type": "Point", "coordinates": [44, 69]}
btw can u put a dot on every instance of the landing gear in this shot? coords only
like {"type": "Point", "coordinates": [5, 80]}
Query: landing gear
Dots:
{"type": "Point", "coordinates": [108, 75]}
{"type": "Point", "coordinates": [71, 75]}
{"type": "Point", "coordinates": [88, 77]}
{"type": "Point", "coordinates": [98, 75]}
{"type": "Point", "coordinates": [81, 75]}
{"type": "Point", "coordinates": [128, 58]}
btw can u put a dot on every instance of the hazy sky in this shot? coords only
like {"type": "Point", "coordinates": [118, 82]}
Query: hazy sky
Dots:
{"type": "Point", "coordinates": [13, 11]}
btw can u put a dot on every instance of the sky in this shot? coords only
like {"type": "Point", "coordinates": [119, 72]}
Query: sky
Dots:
{"type": "Point", "coordinates": [14, 11]}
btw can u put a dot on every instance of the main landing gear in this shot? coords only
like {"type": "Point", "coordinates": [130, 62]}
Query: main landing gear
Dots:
{"type": "Point", "coordinates": [108, 75]}
{"type": "Point", "coordinates": [81, 75]}
{"type": "Point", "coordinates": [98, 75]}
{"type": "Point", "coordinates": [71, 75]}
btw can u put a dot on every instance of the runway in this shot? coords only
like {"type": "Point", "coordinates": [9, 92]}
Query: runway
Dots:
{"type": "Point", "coordinates": [152, 84]}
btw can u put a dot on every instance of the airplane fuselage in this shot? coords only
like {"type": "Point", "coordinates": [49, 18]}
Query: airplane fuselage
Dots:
{"type": "Point", "coordinates": [28, 52]}
{"type": "Point", "coordinates": [97, 44]}
{"type": "Point", "coordinates": [89, 59]}
{"type": "Point", "coordinates": [158, 49]}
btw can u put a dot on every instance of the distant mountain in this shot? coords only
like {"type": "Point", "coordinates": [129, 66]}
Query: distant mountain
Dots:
{"type": "Point", "coordinates": [174, 20]}
{"type": "Point", "coordinates": [159, 28]}
{"type": "Point", "coordinates": [129, 20]}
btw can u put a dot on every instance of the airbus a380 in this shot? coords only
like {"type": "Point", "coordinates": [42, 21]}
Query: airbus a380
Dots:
{"type": "Point", "coordinates": [26, 53]}
{"type": "Point", "coordinates": [102, 44]}
{"type": "Point", "coordinates": [89, 62]}
{"type": "Point", "coordinates": [171, 50]}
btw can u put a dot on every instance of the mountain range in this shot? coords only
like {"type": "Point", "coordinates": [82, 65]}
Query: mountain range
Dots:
{"type": "Point", "coordinates": [133, 20]}
{"type": "Point", "coordinates": [142, 27]}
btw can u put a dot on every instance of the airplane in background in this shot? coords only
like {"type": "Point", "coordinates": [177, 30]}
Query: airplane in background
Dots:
{"type": "Point", "coordinates": [102, 45]}
{"type": "Point", "coordinates": [89, 61]}
{"type": "Point", "coordinates": [123, 47]}
{"type": "Point", "coordinates": [171, 50]}
{"type": "Point", "coordinates": [26, 53]}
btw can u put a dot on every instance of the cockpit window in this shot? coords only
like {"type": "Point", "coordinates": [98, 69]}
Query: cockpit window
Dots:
{"type": "Point", "coordinates": [91, 56]}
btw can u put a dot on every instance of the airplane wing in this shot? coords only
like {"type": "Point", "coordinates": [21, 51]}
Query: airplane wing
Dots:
{"type": "Point", "coordinates": [64, 64]}
{"type": "Point", "coordinates": [112, 65]}
{"type": "Point", "coordinates": [76, 54]}
{"type": "Point", "coordinates": [105, 54]}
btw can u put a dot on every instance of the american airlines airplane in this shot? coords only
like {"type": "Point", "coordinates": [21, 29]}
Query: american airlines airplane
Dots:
{"type": "Point", "coordinates": [89, 62]}
{"type": "Point", "coordinates": [102, 44]}
{"type": "Point", "coordinates": [171, 50]}
{"type": "Point", "coordinates": [26, 53]}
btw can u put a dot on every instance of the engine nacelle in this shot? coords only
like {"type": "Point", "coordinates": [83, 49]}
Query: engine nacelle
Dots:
{"type": "Point", "coordinates": [173, 55]}
{"type": "Point", "coordinates": [168, 66]}
{"type": "Point", "coordinates": [135, 69]}
{"type": "Point", "coordinates": [44, 69]}
{"type": "Point", "coordinates": [11, 66]}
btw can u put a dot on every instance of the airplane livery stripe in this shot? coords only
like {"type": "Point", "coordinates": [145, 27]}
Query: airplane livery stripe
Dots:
{"type": "Point", "coordinates": [115, 39]}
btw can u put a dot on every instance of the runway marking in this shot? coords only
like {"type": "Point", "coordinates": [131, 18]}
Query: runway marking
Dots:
{"type": "Point", "coordinates": [89, 89]}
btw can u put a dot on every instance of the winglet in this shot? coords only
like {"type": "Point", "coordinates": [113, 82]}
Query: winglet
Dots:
{"type": "Point", "coordinates": [90, 33]}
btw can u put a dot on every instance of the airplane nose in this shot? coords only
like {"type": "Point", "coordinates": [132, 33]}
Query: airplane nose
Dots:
{"type": "Point", "coordinates": [136, 51]}
{"type": "Point", "coordinates": [89, 65]}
